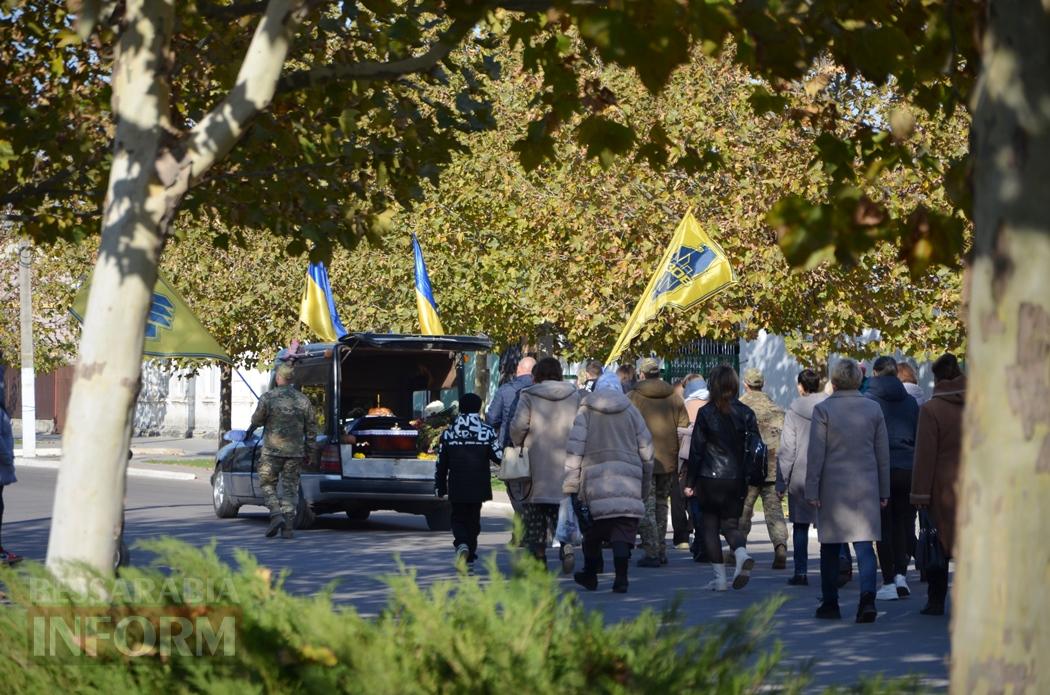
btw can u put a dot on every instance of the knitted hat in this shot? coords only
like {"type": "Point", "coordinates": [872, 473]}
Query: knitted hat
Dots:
{"type": "Point", "coordinates": [470, 403]}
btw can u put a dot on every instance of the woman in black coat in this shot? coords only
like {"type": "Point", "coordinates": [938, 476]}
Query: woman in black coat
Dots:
{"type": "Point", "coordinates": [717, 476]}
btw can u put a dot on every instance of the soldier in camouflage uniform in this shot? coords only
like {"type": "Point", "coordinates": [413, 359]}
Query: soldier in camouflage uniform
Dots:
{"type": "Point", "coordinates": [770, 423]}
{"type": "Point", "coordinates": [290, 433]}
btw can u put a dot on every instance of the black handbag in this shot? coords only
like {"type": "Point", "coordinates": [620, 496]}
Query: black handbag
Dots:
{"type": "Point", "coordinates": [583, 514]}
{"type": "Point", "coordinates": [929, 553]}
{"type": "Point", "coordinates": [756, 457]}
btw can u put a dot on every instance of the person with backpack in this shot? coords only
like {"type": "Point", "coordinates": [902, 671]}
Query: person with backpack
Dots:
{"type": "Point", "coordinates": [718, 475]}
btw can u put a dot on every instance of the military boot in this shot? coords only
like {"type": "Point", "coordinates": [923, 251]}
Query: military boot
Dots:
{"type": "Point", "coordinates": [277, 524]}
{"type": "Point", "coordinates": [286, 530]}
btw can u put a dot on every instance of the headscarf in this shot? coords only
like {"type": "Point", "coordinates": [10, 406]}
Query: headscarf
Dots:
{"type": "Point", "coordinates": [609, 381]}
{"type": "Point", "coordinates": [696, 390]}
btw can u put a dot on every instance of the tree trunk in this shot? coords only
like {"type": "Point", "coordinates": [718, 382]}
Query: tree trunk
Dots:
{"type": "Point", "coordinates": [90, 490]}
{"type": "Point", "coordinates": [225, 400]}
{"type": "Point", "coordinates": [150, 174]}
{"type": "Point", "coordinates": [1000, 640]}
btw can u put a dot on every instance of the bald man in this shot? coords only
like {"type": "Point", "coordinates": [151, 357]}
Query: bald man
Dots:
{"type": "Point", "coordinates": [498, 414]}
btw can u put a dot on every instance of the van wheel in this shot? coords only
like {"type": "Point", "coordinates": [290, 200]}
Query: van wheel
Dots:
{"type": "Point", "coordinates": [304, 516]}
{"type": "Point", "coordinates": [358, 514]}
{"type": "Point", "coordinates": [440, 519]}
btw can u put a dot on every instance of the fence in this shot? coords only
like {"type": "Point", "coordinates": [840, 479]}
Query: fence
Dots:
{"type": "Point", "coordinates": [700, 357]}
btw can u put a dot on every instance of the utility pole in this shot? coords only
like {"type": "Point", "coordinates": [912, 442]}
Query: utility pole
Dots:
{"type": "Point", "coordinates": [25, 293]}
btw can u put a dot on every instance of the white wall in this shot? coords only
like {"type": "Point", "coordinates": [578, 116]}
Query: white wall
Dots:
{"type": "Point", "coordinates": [769, 354]}
{"type": "Point", "coordinates": [174, 405]}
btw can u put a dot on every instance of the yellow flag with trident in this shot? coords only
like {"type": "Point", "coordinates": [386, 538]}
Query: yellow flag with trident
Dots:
{"type": "Point", "coordinates": [693, 269]}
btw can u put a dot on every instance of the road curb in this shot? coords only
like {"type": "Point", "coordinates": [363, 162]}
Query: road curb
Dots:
{"type": "Point", "coordinates": [133, 472]}
{"type": "Point", "coordinates": [41, 452]}
{"type": "Point", "coordinates": [504, 508]}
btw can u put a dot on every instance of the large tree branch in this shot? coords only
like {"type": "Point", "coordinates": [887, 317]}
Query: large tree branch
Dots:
{"type": "Point", "coordinates": [214, 10]}
{"type": "Point", "coordinates": [375, 70]}
{"type": "Point", "coordinates": [217, 133]}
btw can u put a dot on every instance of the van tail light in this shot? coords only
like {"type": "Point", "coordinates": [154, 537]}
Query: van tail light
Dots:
{"type": "Point", "coordinates": [329, 461]}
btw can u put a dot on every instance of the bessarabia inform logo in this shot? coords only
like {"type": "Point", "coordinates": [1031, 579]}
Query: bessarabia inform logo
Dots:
{"type": "Point", "coordinates": [182, 617]}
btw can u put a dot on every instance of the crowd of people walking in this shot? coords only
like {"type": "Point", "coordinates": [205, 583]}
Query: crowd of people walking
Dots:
{"type": "Point", "coordinates": [633, 456]}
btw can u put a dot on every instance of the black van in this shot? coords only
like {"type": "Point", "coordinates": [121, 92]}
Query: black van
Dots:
{"type": "Point", "coordinates": [369, 391]}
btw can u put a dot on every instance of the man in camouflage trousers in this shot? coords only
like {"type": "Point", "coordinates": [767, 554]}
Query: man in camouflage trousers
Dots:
{"type": "Point", "coordinates": [770, 423]}
{"type": "Point", "coordinates": [290, 434]}
{"type": "Point", "coordinates": [664, 412]}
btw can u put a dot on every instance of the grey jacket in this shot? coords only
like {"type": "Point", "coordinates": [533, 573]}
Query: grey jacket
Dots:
{"type": "Point", "coordinates": [542, 422]}
{"type": "Point", "coordinates": [7, 450]}
{"type": "Point", "coordinates": [792, 453]}
{"type": "Point", "coordinates": [610, 460]}
{"type": "Point", "coordinates": [848, 467]}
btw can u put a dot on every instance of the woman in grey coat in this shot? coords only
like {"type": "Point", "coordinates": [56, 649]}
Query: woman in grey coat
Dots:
{"type": "Point", "coordinates": [791, 457]}
{"type": "Point", "coordinates": [7, 474]}
{"type": "Point", "coordinates": [541, 423]}
{"type": "Point", "coordinates": [848, 480]}
{"type": "Point", "coordinates": [610, 468]}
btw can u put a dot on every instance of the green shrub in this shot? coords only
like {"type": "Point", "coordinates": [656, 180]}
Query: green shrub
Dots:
{"type": "Point", "coordinates": [497, 634]}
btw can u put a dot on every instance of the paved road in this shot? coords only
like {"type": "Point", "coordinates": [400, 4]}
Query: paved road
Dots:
{"type": "Point", "coordinates": [358, 554]}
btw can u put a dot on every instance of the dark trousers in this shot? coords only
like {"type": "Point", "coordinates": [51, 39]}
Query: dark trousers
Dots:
{"type": "Point", "coordinates": [898, 527]}
{"type": "Point", "coordinates": [721, 505]}
{"type": "Point", "coordinates": [800, 539]}
{"type": "Point", "coordinates": [679, 518]}
{"type": "Point", "coordinates": [937, 586]}
{"type": "Point", "coordinates": [466, 526]}
{"type": "Point", "coordinates": [829, 569]}
{"type": "Point", "coordinates": [1, 514]}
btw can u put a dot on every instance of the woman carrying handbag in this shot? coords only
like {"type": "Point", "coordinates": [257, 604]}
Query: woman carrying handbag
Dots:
{"type": "Point", "coordinates": [540, 426]}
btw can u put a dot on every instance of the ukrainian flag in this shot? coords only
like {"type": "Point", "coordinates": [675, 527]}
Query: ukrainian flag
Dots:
{"type": "Point", "coordinates": [693, 269]}
{"type": "Point", "coordinates": [429, 323]}
{"type": "Point", "coordinates": [317, 309]}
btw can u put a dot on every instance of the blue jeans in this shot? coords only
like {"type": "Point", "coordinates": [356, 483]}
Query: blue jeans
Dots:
{"type": "Point", "coordinates": [829, 568]}
{"type": "Point", "coordinates": [800, 539]}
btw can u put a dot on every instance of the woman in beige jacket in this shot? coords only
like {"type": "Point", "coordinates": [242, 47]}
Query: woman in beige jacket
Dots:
{"type": "Point", "coordinates": [610, 469]}
{"type": "Point", "coordinates": [541, 423]}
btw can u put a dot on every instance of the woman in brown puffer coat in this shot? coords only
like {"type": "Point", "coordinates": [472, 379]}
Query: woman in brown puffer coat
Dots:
{"type": "Point", "coordinates": [610, 468]}
{"type": "Point", "coordinates": [936, 472]}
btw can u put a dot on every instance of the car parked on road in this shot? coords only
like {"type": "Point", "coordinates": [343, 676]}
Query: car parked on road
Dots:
{"type": "Point", "coordinates": [369, 392]}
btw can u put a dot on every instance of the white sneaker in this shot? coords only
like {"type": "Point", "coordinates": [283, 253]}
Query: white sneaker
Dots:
{"type": "Point", "coordinates": [744, 563]}
{"type": "Point", "coordinates": [719, 582]}
{"type": "Point", "coordinates": [901, 584]}
{"type": "Point", "coordinates": [462, 554]}
{"type": "Point", "coordinates": [888, 592]}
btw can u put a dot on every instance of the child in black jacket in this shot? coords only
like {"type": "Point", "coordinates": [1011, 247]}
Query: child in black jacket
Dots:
{"type": "Point", "coordinates": [463, 473]}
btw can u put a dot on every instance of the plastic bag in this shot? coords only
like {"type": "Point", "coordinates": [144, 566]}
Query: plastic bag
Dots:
{"type": "Point", "coordinates": [568, 530]}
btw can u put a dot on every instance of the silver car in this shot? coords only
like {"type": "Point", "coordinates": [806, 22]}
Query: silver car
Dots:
{"type": "Point", "coordinates": [370, 392]}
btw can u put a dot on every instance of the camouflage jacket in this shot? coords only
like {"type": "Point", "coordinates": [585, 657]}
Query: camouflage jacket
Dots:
{"type": "Point", "coordinates": [770, 423]}
{"type": "Point", "coordinates": [288, 419]}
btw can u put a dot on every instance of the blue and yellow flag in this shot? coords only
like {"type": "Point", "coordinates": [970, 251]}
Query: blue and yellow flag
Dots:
{"type": "Point", "coordinates": [692, 269]}
{"type": "Point", "coordinates": [317, 310]}
{"type": "Point", "coordinates": [429, 323]}
{"type": "Point", "coordinates": [171, 328]}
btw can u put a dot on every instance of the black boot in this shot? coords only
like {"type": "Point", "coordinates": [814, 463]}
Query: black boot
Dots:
{"type": "Point", "coordinates": [866, 612]}
{"type": "Point", "coordinates": [620, 582]}
{"type": "Point", "coordinates": [588, 578]}
{"type": "Point", "coordinates": [276, 525]}
{"type": "Point", "coordinates": [286, 531]}
{"type": "Point", "coordinates": [621, 560]}
{"type": "Point", "coordinates": [829, 611]}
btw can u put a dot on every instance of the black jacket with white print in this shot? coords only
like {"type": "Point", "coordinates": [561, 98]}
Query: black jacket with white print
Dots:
{"type": "Point", "coordinates": [467, 447]}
